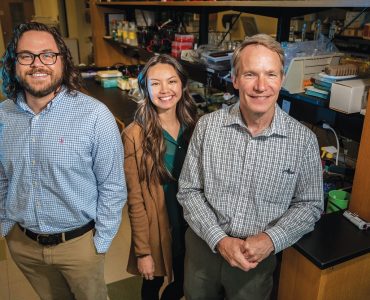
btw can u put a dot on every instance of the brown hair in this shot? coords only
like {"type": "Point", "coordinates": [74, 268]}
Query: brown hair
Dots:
{"type": "Point", "coordinates": [71, 77]}
{"type": "Point", "coordinates": [146, 116]}
{"type": "Point", "coordinates": [258, 39]}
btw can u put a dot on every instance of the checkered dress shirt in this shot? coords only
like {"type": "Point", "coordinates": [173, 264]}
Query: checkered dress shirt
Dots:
{"type": "Point", "coordinates": [233, 184]}
{"type": "Point", "coordinates": [61, 168]}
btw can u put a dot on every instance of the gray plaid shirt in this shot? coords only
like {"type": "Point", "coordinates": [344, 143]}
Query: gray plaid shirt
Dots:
{"type": "Point", "coordinates": [233, 184]}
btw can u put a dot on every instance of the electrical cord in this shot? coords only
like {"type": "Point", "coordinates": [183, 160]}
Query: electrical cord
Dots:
{"type": "Point", "coordinates": [328, 127]}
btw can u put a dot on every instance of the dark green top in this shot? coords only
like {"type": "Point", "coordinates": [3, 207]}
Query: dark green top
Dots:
{"type": "Point", "coordinates": [173, 160]}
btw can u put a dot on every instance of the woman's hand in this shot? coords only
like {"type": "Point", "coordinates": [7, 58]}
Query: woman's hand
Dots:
{"type": "Point", "coordinates": [145, 266]}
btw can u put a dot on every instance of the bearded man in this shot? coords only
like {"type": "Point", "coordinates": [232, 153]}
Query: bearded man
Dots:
{"type": "Point", "coordinates": [62, 184]}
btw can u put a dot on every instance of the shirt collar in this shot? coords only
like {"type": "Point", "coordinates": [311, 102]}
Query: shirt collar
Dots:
{"type": "Point", "coordinates": [170, 139]}
{"type": "Point", "coordinates": [277, 126]}
{"type": "Point", "coordinates": [21, 100]}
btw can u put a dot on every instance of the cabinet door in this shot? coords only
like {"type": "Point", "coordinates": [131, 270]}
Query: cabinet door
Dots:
{"type": "Point", "coordinates": [360, 198]}
{"type": "Point", "coordinates": [13, 13]}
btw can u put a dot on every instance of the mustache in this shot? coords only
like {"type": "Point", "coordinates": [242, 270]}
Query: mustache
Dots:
{"type": "Point", "coordinates": [39, 70]}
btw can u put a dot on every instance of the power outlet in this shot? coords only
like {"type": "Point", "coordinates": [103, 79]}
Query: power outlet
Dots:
{"type": "Point", "coordinates": [2, 249]}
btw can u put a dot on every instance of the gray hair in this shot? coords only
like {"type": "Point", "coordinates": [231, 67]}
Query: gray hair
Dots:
{"type": "Point", "coordinates": [258, 39]}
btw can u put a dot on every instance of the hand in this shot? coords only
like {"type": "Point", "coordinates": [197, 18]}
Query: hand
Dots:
{"type": "Point", "coordinates": [232, 251]}
{"type": "Point", "coordinates": [145, 265]}
{"type": "Point", "coordinates": [257, 247]}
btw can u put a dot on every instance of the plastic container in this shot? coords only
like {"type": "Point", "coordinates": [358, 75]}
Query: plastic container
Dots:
{"type": "Point", "coordinates": [108, 83]}
{"type": "Point", "coordinates": [184, 38]}
{"type": "Point", "coordinates": [181, 45]}
{"type": "Point", "coordinates": [108, 74]}
{"type": "Point", "coordinates": [176, 53]}
{"type": "Point", "coordinates": [337, 200]}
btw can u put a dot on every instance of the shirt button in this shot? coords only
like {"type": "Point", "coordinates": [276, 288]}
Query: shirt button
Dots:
{"type": "Point", "coordinates": [37, 117]}
{"type": "Point", "coordinates": [33, 162]}
{"type": "Point", "coordinates": [33, 139]}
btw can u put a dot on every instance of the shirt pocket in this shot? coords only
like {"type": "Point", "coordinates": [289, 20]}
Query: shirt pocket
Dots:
{"type": "Point", "coordinates": [69, 152]}
{"type": "Point", "coordinates": [277, 186]}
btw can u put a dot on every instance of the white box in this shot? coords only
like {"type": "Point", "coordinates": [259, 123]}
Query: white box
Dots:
{"type": "Point", "coordinates": [349, 96]}
{"type": "Point", "coordinates": [303, 68]}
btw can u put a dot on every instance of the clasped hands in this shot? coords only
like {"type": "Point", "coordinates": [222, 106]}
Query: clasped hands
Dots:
{"type": "Point", "coordinates": [245, 254]}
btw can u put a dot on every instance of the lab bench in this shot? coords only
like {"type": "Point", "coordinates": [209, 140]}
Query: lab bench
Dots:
{"type": "Point", "coordinates": [331, 262]}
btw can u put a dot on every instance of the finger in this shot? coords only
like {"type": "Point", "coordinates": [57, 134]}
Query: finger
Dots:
{"type": "Point", "coordinates": [240, 261]}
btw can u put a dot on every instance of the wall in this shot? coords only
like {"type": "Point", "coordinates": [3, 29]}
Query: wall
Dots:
{"type": "Point", "coordinates": [73, 23]}
{"type": "Point", "coordinates": [79, 27]}
{"type": "Point", "coordinates": [47, 8]}
{"type": "Point", "coordinates": [2, 46]}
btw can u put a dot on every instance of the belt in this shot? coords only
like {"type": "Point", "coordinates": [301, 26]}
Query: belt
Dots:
{"type": "Point", "coordinates": [57, 238]}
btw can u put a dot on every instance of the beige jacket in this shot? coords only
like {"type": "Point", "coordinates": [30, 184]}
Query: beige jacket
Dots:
{"type": "Point", "coordinates": [147, 210]}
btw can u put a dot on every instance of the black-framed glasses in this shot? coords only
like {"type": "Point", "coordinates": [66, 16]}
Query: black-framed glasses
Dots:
{"type": "Point", "coordinates": [27, 58]}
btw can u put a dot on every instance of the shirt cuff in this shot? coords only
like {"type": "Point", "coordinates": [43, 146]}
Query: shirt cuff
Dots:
{"type": "Point", "coordinates": [278, 237]}
{"type": "Point", "coordinates": [213, 236]}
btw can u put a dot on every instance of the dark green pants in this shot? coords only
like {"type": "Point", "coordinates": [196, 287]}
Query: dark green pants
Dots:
{"type": "Point", "coordinates": [209, 276]}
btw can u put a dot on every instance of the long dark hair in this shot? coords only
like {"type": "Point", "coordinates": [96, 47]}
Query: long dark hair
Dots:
{"type": "Point", "coordinates": [146, 116]}
{"type": "Point", "coordinates": [11, 87]}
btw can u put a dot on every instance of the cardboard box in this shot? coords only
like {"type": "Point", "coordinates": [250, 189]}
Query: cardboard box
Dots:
{"type": "Point", "coordinates": [349, 96]}
{"type": "Point", "coordinates": [350, 15]}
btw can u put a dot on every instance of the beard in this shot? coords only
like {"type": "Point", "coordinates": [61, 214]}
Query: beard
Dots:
{"type": "Point", "coordinates": [42, 91]}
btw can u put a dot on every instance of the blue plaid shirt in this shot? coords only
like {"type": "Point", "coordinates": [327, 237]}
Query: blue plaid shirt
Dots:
{"type": "Point", "coordinates": [61, 168]}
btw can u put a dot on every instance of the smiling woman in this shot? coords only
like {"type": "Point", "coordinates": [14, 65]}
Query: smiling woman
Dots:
{"type": "Point", "coordinates": [155, 148]}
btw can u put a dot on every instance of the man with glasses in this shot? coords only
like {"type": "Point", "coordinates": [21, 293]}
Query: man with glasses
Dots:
{"type": "Point", "coordinates": [62, 184]}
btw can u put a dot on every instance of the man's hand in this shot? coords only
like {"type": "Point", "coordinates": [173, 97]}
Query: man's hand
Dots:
{"type": "Point", "coordinates": [257, 247]}
{"type": "Point", "coordinates": [232, 251]}
{"type": "Point", "coordinates": [145, 266]}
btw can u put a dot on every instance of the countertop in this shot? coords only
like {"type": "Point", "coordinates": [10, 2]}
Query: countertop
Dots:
{"type": "Point", "coordinates": [115, 99]}
{"type": "Point", "coordinates": [333, 241]}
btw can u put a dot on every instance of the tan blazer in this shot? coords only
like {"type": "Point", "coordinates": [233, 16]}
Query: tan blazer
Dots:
{"type": "Point", "coordinates": [147, 210]}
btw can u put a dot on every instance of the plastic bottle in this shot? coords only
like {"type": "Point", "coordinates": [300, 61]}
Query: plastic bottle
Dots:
{"type": "Point", "coordinates": [291, 34]}
{"type": "Point", "coordinates": [332, 29]}
{"type": "Point", "coordinates": [125, 32]}
{"type": "Point", "coordinates": [304, 29]}
{"type": "Point", "coordinates": [132, 34]}
{"type": "Point", "coordinates": [119, 31]}
{"type": "Point", "coordinates": [317, 30]}
{"type": "Point", "coordinates": [114, 30]}
{"type": "Point", "coordinates": [114, 35]}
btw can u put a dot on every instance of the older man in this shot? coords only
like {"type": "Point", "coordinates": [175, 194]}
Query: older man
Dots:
{"type": "Point", "coordinates": [251, 184]}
